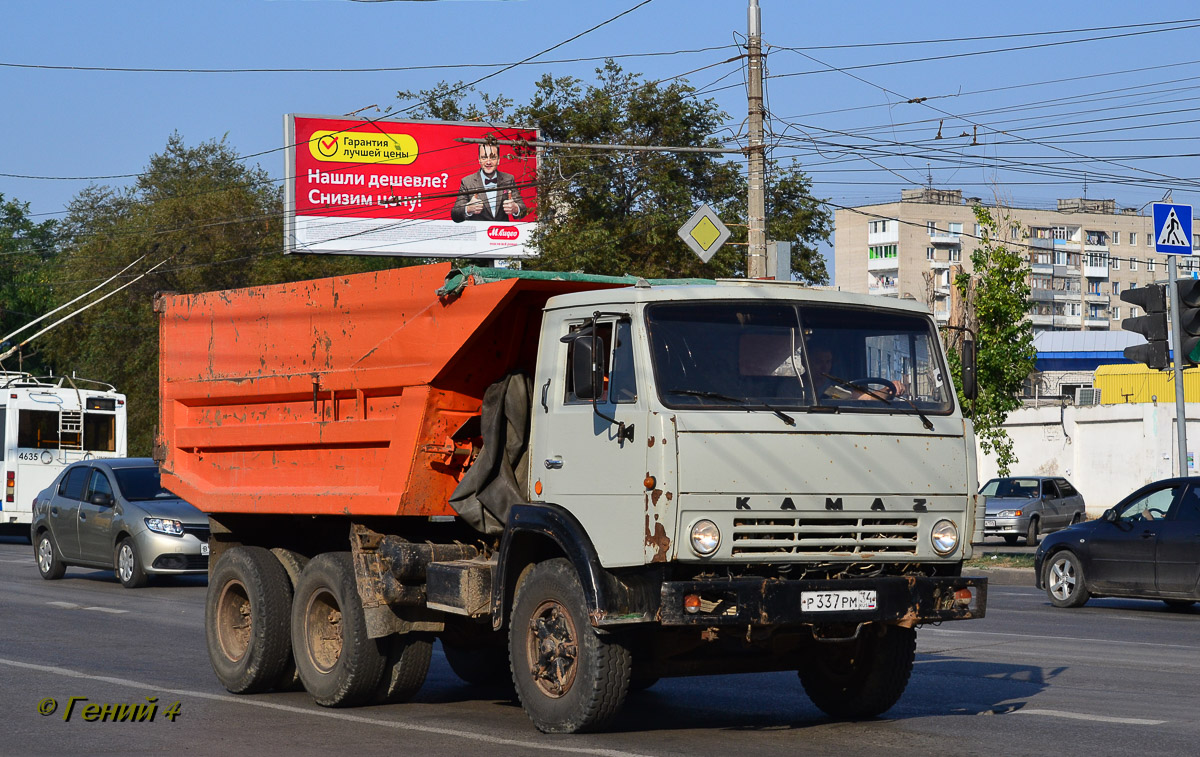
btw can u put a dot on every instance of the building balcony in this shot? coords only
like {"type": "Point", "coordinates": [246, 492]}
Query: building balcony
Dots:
{"type": "Point", "coordinates": [1097, 323]}
{"type": "Point", "coordinates": [944, 239]}
{"type": "Point", "coordinates": [939, 265]}
{"type": "Point", "coordinates": [1042, 268]}
{"type": "Point", "coordinates": [1039, 319]}
{"type": "Point", "coordinates": [1096, 271]}
{"type": "Point", "coordinates": [885, 237]}
{"type": "Point", "coordinates": [1096, 297]}
{"type": "Point", "coordinates": [1063, 296]}
{"type": "Point", "coordinates": [883, 264]}
{"type": "Point", "coordinates": [1041, 295]}
{"type": "Point", "coordinates": [884, 290]}
{"type": "Point", "coordinates": [1042, 244]}
{"type": "Point", "coordinates": [941, 316]}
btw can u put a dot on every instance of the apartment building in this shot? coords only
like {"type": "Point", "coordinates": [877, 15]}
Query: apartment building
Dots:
{"type": "Point", "coordinates": [1081, 256]}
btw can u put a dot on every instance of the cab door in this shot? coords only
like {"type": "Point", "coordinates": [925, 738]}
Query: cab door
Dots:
{"type": "Point", "coordinates": [589, 443]}
{"type": "Point", "coordinates": [64, 510]}
{"type": "Point", "coordinates": [96, 513]}
{"type": "Point", "coordinates": [1178, 549]}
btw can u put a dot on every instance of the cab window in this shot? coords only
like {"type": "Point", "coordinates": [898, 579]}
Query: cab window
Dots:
{"type": "Point", "coordinates": [619, 383]}
{"type": "Point", "coordinates": [1151, 506]}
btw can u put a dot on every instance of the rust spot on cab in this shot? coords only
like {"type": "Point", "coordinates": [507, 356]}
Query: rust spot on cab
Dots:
{"type": "Point", "coordinates": [650, 442]}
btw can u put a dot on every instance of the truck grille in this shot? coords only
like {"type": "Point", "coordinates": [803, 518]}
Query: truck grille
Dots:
{"type": "Point", "coordinates": [777, 536]}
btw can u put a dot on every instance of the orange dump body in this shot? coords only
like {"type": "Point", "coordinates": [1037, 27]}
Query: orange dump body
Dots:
{"type": "Point", "coordinates": [349, 396]}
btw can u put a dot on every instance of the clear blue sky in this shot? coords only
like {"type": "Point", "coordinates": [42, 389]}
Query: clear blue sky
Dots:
{"type": "Point", "coordinates": [1128, 133]}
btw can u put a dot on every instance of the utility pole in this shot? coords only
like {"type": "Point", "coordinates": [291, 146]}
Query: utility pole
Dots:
{"type": "Point", "coordinates": [756, 251]}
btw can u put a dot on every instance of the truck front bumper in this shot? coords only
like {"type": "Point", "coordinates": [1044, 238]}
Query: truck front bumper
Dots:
{"type": "Point", "coordinates": [773, 601]}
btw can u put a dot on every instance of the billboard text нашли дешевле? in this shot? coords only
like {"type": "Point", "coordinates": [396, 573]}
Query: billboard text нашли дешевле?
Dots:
{"type": "Point", "coordinates": [408, 188]}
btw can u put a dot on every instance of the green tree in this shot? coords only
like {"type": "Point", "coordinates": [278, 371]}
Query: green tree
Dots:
{"type": "Point", "coordinates": [217, 224]}
{"type": "Point", "coordinates": [617, 212]}
{"type": "Point", "coordinates": [26, 249]}
{"type": "Point", "coordinates": [996, 296]}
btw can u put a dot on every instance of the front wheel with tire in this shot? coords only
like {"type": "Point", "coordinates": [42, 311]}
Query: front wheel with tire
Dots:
{"type": "Point", "coordinates": [863, 677]}
{"type": "Point", "coordinates": [568, 677]}
{"type": "Point", "coordinates": [1032, 535]}
{"type": "Point", "coordinates": [49, 565]}
{"type": "Point", "coordinates": [246, 620]}
{"type": "Point", "coordinates": [1063, 579]}
{"type": "Point", "coordinates": [129, 565]}
{"type": "Point", "coordinates": [338, 663]}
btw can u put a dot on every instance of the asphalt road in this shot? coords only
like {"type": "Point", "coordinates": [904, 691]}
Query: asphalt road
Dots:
{"type": "Point", "coordinates": [1115, 677]}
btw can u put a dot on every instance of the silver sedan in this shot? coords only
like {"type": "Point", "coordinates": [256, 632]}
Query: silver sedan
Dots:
{"type": "Point", "coordinates": [114, 513]}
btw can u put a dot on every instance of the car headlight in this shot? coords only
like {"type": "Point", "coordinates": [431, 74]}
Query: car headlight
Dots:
{"type": "Point", "coordinates": [944, 537]}
{"type": "Point", "coordinates": [705, 537]}
{"type": "Point", "coordinates": [1009, 514]}
{"type": "Point", "coordinates": [165, 526]}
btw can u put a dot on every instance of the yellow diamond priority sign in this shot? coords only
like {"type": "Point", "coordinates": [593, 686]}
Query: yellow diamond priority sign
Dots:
{"type": "Point", "coordinates": [704, 233]}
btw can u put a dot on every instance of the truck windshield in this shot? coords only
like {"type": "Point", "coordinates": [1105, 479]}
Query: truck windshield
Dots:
{"type": "Point", "coordinates": [737, 354]}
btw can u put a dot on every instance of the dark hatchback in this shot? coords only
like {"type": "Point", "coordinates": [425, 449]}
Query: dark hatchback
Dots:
{"type": "Point", "coordinates": [1147, 546]}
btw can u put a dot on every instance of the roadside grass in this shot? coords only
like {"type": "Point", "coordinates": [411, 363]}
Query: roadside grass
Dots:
{"type": "Point", "coordinates": [1000, 561]}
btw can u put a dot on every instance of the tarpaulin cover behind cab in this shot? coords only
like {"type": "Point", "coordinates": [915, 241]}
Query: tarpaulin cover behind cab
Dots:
{"type": "Point", "coordinates": [499, 477]}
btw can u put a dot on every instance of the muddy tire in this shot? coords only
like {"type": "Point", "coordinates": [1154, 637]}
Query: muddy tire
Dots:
{"type": "Point", "coordinates": [246, 620]}
{"type": "Point", "coordinates": [407, 665]}
{"type": "Point", "coordinates": [862, 678]}
{"type": "Point", "coordinates": [568, 677]}
{"type": "Point", "coordinates": [46, 553]}
{"type": "Point", "coordinates": [479, 666]}
{"type": "Point", "coordinates": [293, 564]}
{"type": "Point", "coordinates": [338, 664]}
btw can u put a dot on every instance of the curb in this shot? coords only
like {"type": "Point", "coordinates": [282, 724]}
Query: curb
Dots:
{"type": "Point", "coordinates": [1005, 576]}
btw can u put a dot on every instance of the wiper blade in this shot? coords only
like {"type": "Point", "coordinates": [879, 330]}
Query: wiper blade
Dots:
{"type": "Point", "coordinates": [847, 384]}
{"type": "Point", "coordinates": [789, 420]}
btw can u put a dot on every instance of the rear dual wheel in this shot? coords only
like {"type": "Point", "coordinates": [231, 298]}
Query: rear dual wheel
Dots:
{"type": "Point", "coordinates": [863, 677]}
{"type": "Point", "coordinates": [246, 620]}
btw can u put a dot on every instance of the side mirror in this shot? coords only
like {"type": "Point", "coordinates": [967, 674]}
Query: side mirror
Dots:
{"type": "Point", "coordinates": [586, 372]}
{"type": "Point", "coordinates": [1110, 515]}
{"type": "Point", "coordinates": [969, 387]}
{"type": "Point", "coordinates": [101, 499]}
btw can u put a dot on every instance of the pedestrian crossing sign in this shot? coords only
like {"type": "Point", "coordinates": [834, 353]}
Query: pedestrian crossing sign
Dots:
{"type": "Point", "coordinates": [1172, 228]}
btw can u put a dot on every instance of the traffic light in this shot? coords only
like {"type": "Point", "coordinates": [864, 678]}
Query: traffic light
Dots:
{"type": "Point", "coordinates": [1152, 300]}
{"type": "Point", "coordinates": [1189, 320]}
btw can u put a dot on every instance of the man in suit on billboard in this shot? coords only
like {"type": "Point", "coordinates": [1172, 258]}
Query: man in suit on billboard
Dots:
{"type": "Point", "coordinates": [488, 194]}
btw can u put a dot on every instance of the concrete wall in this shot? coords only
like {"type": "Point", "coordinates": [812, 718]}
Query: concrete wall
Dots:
{"type": "Point", "coordinates": [1106, 451]}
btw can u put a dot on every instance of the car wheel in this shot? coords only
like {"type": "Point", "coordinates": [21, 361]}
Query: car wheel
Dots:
{"type": "Point", "coordinates": [338, 663]}
{"type": "Point", "coordinates": [246, 617]}
{"type": "Point", "coordinates": [129, 565]}
{"type": "Point", "coordinates": [1010, 538]}
{"type": "Point", "coordinates": [48, 563]}
{"type": "Point", "coordinates": [1077, 519]}
{"type": "Point", "coordinates": [568, 677]}
{"type": "Point", "coordinates": [1031, 536]}
{"type": "Point", "coordinates": [1179, 604]}
{"type": "Point", "coordinates": [1064, 580]}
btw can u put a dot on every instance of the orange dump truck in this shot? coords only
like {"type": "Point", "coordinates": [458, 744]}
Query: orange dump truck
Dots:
{"type": "Point", "coordinates": [602, 480]}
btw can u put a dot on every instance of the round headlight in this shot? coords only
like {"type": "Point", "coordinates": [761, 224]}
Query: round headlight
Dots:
{"type": "Point", "coordinates": [944, 537]}
{"type": "Point", "coordinates": [705, 537]}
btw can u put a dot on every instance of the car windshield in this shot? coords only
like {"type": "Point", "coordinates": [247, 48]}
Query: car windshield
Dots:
{"type": "Point", "coordinates": [1026, 488]}
{"type": "Point", "coordinates": [140, 484]}
{"type": "Point", "coordinates": [782, 355]}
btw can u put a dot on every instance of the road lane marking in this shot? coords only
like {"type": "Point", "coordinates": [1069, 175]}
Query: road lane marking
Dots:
{"type": "Point", "coordinates": [73, 606]}
{"type": "Point", "coordinates": [1082, 716]}
{"type": "Point", "coordinates": [950, 631]}
{"type": "Point", "coordinates": [321, 712]}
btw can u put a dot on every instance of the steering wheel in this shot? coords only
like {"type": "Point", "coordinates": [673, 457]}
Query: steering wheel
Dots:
{"type": "Point", "coordinates": [877, 383]}
{"type": "Point", "coordinates": [1153, 513]}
